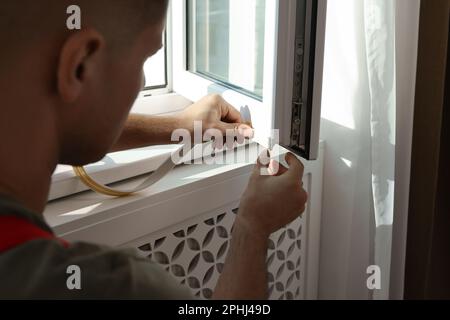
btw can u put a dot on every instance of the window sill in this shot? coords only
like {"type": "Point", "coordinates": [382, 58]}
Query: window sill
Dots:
{"type": "Point", "coordinates": [184, 186]}
{"type": "Point", "coordinates": [186, 192]}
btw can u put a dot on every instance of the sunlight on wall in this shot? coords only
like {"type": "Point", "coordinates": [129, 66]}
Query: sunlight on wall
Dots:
{"type": "Point", "coordinates": [348, 163]}
{"type": "Point", "coordinates": [338, 95]}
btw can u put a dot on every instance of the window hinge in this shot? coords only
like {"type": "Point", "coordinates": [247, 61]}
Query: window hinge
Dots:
{"type": "Point", "coordinates": [297, 107]}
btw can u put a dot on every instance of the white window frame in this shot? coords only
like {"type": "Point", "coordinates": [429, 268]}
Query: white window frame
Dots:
{"type": "Point", "coordinates": [194, 87]}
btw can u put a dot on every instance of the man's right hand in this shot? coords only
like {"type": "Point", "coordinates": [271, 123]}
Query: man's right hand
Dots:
{"type": "Point", "coordinates": [273, 201]}
{"type": "Point", "coordinates": [269, 203]}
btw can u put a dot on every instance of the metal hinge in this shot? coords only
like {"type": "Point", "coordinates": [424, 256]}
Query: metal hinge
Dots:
{"type": "Point", "coordinates": [297, 102]}
{"type": "Point", "coordinates": [296, 123]}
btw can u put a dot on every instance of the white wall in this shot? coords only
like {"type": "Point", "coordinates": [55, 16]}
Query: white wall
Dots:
{"type": "Point", "coordinates": [348, 226]}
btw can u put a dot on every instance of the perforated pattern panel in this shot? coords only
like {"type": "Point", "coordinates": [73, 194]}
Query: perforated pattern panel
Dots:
{"type": "Point", "coordinates": [195, 252]}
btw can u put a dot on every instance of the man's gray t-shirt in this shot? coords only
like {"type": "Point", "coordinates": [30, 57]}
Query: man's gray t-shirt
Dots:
{"type": "Point", "coordinates": [38, 269]}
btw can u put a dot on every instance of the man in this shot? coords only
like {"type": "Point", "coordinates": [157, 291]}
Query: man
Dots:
{"type": "Point", "coordinates": [66, 96]}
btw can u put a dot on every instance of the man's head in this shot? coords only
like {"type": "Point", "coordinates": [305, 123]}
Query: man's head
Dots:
{"type": "Point", "coordinates": [88, 79]}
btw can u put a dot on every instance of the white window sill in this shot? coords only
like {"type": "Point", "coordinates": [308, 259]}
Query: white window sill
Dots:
{"type": "Point", "coordinates": [186, 192]}
{"type": "Point", "coordinates": [82, 211]}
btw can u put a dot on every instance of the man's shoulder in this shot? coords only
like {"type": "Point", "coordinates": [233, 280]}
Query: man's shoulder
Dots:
{"type": "Point", "coordinates": [44, 267]}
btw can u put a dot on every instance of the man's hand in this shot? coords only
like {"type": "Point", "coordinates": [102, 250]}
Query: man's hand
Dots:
{"type": "Point", "coordinates": [215, 113]}
{"type": "Point", "coordinates": [272, 202]}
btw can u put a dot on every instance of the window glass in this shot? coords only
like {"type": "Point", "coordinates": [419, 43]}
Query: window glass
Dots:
{"type": "Point", "coordinates": [226, 42]}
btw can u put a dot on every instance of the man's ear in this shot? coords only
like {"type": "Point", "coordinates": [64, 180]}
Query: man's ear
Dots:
{"type": "Point", "coordinates": [77, 62]}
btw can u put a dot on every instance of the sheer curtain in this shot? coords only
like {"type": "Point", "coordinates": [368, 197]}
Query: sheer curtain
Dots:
{"type": "Point", "coordinates": [359, 126]}
{"type": "Point", "coordinates": [379, 23]}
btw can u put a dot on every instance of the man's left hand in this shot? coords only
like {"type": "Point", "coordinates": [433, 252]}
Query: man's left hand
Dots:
{"type": "Point", "coordinates": [215, 113]}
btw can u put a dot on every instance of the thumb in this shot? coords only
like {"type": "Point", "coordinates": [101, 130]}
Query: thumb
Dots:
{"type": "Point", "coordinates": [262, 164]}
{"type": "Point", "coordinates": [226, 127]}
{"type": "Point", "coordinates": [296, 168]}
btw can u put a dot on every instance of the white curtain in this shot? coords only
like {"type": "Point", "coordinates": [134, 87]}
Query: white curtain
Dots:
{"type": "Point", "coordinates": [379, 21]}
{"type": "Point", "coordinates": [359, 128]}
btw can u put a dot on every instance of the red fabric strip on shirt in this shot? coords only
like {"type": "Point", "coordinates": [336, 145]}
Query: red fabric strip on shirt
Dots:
{"type": "Point", "coordinates": [15, 231]}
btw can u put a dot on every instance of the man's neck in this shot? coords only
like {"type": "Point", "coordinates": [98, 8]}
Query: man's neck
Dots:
{"type": "Point", "coordinates": [29, 154]}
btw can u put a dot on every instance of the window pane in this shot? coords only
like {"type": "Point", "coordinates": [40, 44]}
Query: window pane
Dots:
{"type": "Point", "coordinates": [155, 70]}
{"type": "Point", "coordinates": [226, 41]}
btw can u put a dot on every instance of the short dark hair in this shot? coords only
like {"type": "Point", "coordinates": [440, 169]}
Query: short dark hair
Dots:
{"type": "Point", "coordinates": [121, 19]}
{"type": "Point", "coordinates": [24, 21]}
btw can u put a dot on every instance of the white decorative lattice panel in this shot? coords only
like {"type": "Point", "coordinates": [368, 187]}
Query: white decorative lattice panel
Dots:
{"type": "Point", "coordinates": [194, 253]}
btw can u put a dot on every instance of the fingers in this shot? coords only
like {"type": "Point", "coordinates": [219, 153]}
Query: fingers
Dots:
{"type": "Point", "coordinates": [263, 160]}
{"type": "Point", "coordinates": [229, 113]}
{"type": "Point", "coordinates": [246, 131]}
{"type": "Point", "coordinates": [277, 169]}
{"type": "Point", "coordinates": [296, 168]}
{"type": "Point", "coordinates": [231, 122]}
{"type": "Point", "coordinates": [240, 131]}
{"type": "Point", "coordinates": [234, 133]}
{"type": "Point", "coordinates": [267, 166]}
{"type": "Point", "coordinates": [303, 199]}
